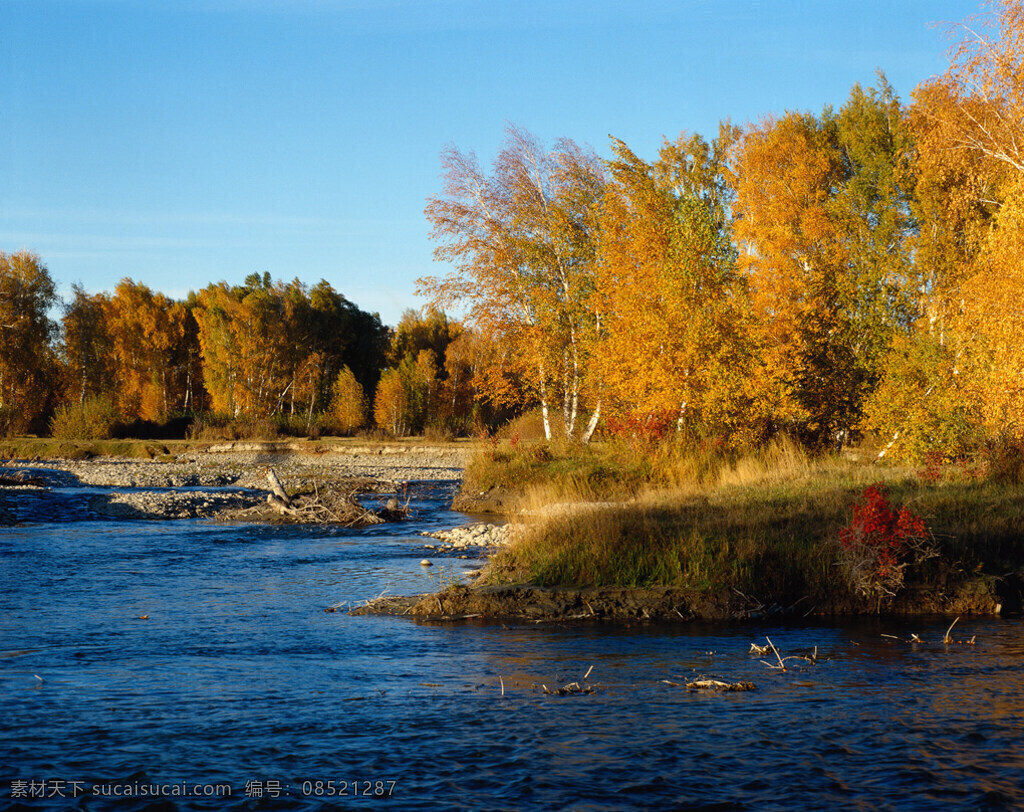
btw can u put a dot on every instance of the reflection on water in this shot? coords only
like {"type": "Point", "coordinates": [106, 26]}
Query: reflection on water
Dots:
{"type": "Point", "coordinates": [239, 676]}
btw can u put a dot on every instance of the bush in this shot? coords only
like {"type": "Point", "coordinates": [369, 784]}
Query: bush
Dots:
{"type": "Point", "coordinates": [93, 419]}
{"type": "Point", "coordinates": [212, 426]}
{"type": "Point", "coordinates": [1004, 459]}
{"type": "Point", "coordinates": [880, 543]}
{"type": "Point", "coordinates": [529, 426]}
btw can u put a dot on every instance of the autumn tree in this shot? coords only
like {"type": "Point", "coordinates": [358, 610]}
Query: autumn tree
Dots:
{"type": "Point", "coordinates": [391, 406]}
{"type": "Point", "coordinates": [969, 128]}
{"type": "Point", "coordinates": [671, 300]}
{"type": "Point", "coordinates": [242, 337]}
{"type": "Point", "coordinates": [27, 360]}
{"type": "Point", "coordinates": [154, 351]}
{"type": "Point", "coordinates": [87, 347]}
{"type": "Point", "coordinates": [270, 348]}
{"type": "Point", "coordinates": [466, 401]}
{"type": "Point", "coordinates": [824, 227]}
{"type": "Point", "coordinates": [322, 330]}
{"type": "Point", "coordinates": [348, 402]}
{"type": "Point", "coordinates": [522, 240]}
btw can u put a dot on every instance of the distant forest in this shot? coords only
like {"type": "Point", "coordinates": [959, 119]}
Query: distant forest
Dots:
{"type": "Point", "coordinates": [822, 274]}
{"type": "Point", "coordinates": [257, 358]}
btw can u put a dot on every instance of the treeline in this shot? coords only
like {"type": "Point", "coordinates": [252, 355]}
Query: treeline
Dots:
{"type": "Point", "coordinates": [822, 275]}
{"type": "Point", "coordinates": [256, 358]}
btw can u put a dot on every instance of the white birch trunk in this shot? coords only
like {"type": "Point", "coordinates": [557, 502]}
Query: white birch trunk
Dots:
{"type": "Point", "coordinates": [679, 422]}
{"type": "Point", "coordinates": [592, 424]}
{"type": "Point", "coordinates": [544, 405]}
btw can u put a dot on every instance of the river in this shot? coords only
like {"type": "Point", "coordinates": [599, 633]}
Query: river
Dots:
{"type": "Point", "coordinates": [238, 691]}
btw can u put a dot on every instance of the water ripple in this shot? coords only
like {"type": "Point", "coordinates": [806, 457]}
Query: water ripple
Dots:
{"type": "Point", "coordinates": [239, 676]}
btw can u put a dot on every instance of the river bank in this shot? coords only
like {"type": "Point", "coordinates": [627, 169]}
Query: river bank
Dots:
{"type": "Point", "coordinates": [983, 596]}
{"type": "Point", "coordinates": [735, 548]}
{"type": "Point", "coordinates": [671, 533]}
{"type": "Point", "coordinates": [226, 482]}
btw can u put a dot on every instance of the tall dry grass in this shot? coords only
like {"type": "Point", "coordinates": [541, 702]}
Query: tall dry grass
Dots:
{"type": "Point", "coordinates": [765, 523]}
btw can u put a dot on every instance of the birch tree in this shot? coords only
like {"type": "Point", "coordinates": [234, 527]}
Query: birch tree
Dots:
{"type": "Point", "coordinates": [522, 242]}
{"type": "Point", "coordinates": [673, 345]}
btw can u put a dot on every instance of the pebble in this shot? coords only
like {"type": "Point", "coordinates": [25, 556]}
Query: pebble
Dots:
{"type": "Point", "coordinates": [239, 469]}
{"type": "Point", "coordinates": [474, 535]}
{"type": "Point", "coordinates": [425, 563]}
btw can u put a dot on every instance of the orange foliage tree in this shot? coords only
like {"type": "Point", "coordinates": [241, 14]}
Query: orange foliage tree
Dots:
{"type": "Point", "coordinates": [153, 344]}
{"type": "Point", "coordinates": [27, 361]}
{"type": "Point", "coordinates": [824, 226]}
{"type": "Point", "coordinates": [672, 304]}
{"type": "Point", "coordinates": [969, 131]}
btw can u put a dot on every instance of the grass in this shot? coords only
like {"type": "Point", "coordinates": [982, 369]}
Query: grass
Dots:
{"type": "Point", "coordinates": [765, 524]}
{"type": "Point", "coordinates": [46, 448]}
{"type": "Point", "coordinates": [42, 448]}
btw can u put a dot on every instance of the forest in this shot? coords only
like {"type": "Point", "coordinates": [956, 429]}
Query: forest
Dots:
{"type": "Point", "coordinates": [820, 275]}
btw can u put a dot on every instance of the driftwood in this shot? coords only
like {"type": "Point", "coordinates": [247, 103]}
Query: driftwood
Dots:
{"type": "Point", "coordinates": [277, 489]}
{"type": "Point", "coordinates": [947, 640]}
{"type": "Point", "coordinates": [780, 663]}
{"type": "Point", "coordinates": [704, 684]}
{"type": "Point", "coordinates": [578, 687]}
{"type": "Point", "coordinates": [328, 506]}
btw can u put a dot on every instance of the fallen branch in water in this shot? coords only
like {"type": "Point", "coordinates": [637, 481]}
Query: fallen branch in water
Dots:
{"type": "Point", "coordinates": [756, 649]}
{"type": "Point", "coordinates": [946, 639]}
{"type": "Point", "coordinates": [580, 687]}
{"type": "Point", "coordinates": [705, 684]}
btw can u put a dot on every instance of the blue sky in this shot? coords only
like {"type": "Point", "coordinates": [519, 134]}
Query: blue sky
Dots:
{"type": "Point", "coordinates": [181, 142]}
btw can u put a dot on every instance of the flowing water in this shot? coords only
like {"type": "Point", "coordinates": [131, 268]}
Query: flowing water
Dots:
{"type": "Point", "coordinates": [240, 692]}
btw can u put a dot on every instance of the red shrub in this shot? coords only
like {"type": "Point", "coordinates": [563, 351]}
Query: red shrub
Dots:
{"type": "Point", "coordinates": [880, 542]}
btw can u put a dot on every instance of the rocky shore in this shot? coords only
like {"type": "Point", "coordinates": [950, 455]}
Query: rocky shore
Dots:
{"type": "Point", "coordinates": [478, 534]}
{"type": "Point", "coordinates": [227, 482]}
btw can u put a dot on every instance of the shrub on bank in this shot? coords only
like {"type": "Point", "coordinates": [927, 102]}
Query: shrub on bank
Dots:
{"type": "Point", "coordinates": [92, 419]}
{"type": "Point", "coordinates": [212, 426]}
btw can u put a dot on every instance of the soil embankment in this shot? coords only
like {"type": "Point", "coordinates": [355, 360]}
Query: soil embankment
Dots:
{"type": "Point", "coordinates": [979, 596]}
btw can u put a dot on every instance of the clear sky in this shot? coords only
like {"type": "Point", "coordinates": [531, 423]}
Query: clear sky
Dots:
{"type": "Point", "coordinates": [182, 142]}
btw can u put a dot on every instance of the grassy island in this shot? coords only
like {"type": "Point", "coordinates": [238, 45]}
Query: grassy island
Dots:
{"type": "Point", "coordinates": [775, 528]}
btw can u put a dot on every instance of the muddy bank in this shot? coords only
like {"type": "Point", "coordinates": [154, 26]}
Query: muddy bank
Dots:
{"type": "Point", "coordinates": [986, 596]}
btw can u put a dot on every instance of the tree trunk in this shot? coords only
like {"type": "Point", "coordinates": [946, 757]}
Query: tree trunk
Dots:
{"type": "Point", "coordinates": [277, 487]}
{"type": "Point", "coordinates": [544, 405]}
{"type": "Point", "coordinates": [592, 424]}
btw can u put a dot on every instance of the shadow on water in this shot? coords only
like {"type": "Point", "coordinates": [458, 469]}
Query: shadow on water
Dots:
{"type": "Point", "coordinates": [237, 676]}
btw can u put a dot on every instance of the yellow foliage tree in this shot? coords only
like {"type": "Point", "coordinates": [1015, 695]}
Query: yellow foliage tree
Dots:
{"type": "Point", "coordinates": [391, 405]}
{"type": "Point", "coordinates": [27, 362]}
{"type": "Point", "coordinates": [522, 240]}
{"type": "Point", "coordinates": [672, 339]}
{"type": "Point", "coordinates": [349, 402]}
{"type": "Point", "coordinates": [144, 339]}
{"type": "Point", "coordinates": [969, 130]}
